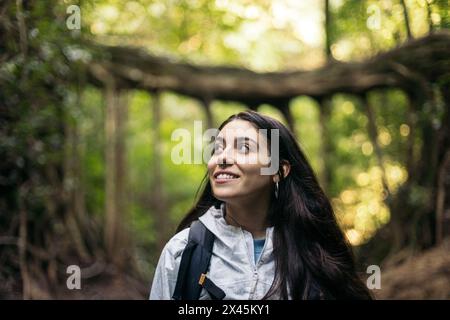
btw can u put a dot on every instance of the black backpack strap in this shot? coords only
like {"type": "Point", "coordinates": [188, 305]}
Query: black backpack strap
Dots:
{"type": "Point", "coordinates": [183, 270]}
{"type": "Point", "coordinates": [194, 265]}
{"type": "Point", "coordinates": [214, 291]}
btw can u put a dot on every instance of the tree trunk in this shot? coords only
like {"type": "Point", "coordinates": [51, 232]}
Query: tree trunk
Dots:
{"type": "Point", "coordinates": [406, 17]}
{"type": "Point", "coordinates": [372, 129]}
{"type": "Point", "coordinates": [116, 238]}
{"type": "Point", "coordinates": [283, 106]}
{"type": "Point", "coordinates": [73, 190]}
{"type": "Point", "coordinates": [22, 244]}
{"type": "Point", "coordinates": [429, 19]}
{"type": "Point", "coordinates": [443, 184]}
{"type": "Point", "coordinates": [162, 218]}
{"type": "Point", "coordinates": [328, 30]}
{"type": "Point", "coordinates": [325, 105]}
{"type": "Point", "coordinates": [326, 148]}
{"type": "Point", "coordinates": [209, 117]}
{"type": "Point", "coordinates": [420, 207]}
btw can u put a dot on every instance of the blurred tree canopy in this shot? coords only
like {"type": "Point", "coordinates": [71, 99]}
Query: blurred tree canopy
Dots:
{"type": "Point", "coordinates": [86, 122]}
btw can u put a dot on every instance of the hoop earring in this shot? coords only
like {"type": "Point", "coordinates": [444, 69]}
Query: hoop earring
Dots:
{"type": "Point", "coordinates": [276, 190]}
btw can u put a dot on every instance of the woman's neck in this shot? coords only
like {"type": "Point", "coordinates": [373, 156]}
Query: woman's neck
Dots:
{"type": "Point", "coordinates": [249, 215]}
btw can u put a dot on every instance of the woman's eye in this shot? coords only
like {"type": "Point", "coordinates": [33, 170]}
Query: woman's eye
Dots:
{"type": "Point", "coordinates": [244, 148]}
{"type": "Point", "coordinates": [217, 148]}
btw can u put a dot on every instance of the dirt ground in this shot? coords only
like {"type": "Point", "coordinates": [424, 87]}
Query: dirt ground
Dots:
{"type": "Point", "coordinates": [422, 276]}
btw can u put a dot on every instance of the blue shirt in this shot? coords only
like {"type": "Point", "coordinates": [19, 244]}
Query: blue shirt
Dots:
{"type": "Point", "coordinates": [258, 245]}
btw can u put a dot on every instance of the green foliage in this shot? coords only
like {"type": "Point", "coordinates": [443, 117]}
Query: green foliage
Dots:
{"type": "Point", "coordinates": [43, 91]}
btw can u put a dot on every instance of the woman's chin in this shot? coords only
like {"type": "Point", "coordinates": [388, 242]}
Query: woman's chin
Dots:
{"type": "Point", "coordinates": [226, 197]}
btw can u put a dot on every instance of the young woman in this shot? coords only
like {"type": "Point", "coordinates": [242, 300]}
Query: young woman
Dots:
{"type": "Point", "coordinates": [276, 235]}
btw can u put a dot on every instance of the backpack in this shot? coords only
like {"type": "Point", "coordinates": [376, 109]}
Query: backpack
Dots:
{"type": "Point", "coordinates": [194, 265]}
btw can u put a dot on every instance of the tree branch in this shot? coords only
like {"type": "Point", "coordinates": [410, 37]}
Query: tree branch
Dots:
{"type": "Point", "coordinates": [133, 68]}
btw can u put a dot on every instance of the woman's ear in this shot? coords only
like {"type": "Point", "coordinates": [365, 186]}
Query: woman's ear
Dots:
{"type": "Point", "coordinates": [286, 167]}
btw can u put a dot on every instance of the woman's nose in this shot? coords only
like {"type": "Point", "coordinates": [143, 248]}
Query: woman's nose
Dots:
{"type": "Point", "coordinates": [226, 157]}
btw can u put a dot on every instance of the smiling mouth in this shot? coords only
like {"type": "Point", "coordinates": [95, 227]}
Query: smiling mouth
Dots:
{"type": "Point", "coordinates": [225, 177]}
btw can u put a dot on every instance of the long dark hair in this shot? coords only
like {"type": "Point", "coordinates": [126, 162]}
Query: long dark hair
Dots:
{"type": "Point", "coordinates": [311, 252]}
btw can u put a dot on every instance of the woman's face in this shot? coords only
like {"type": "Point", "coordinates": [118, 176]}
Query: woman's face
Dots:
{"type": "Point", "coordinates": [235, 166]}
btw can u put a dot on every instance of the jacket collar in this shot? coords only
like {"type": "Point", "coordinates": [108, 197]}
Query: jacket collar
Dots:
{"type": "Point", "coordinates": [230, 235]}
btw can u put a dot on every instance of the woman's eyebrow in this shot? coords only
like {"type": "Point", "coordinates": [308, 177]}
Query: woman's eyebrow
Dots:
{"type": "Point", "coordinates": [237, 139]}
{"type": "Point", "coordinates": [220, 139]}
{"type": "Point", "coordinates": [246, 139]}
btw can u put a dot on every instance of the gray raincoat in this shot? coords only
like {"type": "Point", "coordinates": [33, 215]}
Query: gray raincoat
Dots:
{"type": "Point", "coordinates": [232, 267]}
